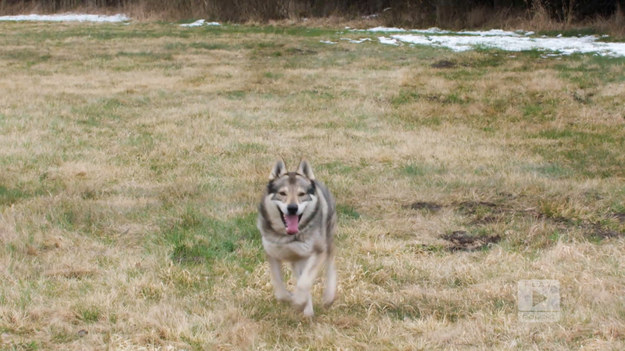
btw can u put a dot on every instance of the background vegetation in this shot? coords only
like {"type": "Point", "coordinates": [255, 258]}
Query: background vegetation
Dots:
{"type": "Point", "coordinates": [442, 13]}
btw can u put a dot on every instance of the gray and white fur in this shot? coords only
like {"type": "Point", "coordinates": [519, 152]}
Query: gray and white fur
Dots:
{"type": "Point", "coordinates": [297, 221]}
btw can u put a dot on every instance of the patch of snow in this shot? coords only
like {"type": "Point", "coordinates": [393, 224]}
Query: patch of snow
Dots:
{"type": "Point", "coordinates": [562, 45]}
{"type": "Point", "coordinates": [327, 42]}
{"type": "Point", "coordinates": [490, 33]}
{"type": "Point", "coordinates": [388, 41]}
{"type": "Point", "coordinates": [68, 17]}
{"type": "Point", "coordinates": [356, 41]}
{"type": "Point", "coordinates": [199, 23]}
{"type": "Point", "coordinates": [385, 29]}
{"type": "Point", "coordinates": [518, 40]}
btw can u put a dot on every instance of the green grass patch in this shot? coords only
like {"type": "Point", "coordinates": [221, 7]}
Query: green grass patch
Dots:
{"type": "Point", "coordinates": [81, 215]}
{"type": "Point", "coordinates": [248, 148]}
{"type": "Point", "coordinates": [62, 335]}
{"type": "Point", "coordinates": [22, 346]}
{"type": "Point", "coordinates": [209, 46]}
{"type": "Point", "coordinates": [420, 170]}
{"type": "Point", "coordinates": [272, 76]}
{"type": "Point", "coordinates": [304, 32]}
{"type": "Point", "coordinates": [487, 58]}
{"type": "Point", "coordinates": [337, 167]}
{"type": "Point", "coordinates": [235, 94]}
{"type": "Point", "coordinates": [146, 56]}
{"type": "Point", "coordinates": [198, 239]}
{"type": "Point", "coordinates": [90, 314]}
{"type": "Point", "coordinates": [42, 32]}
{"type": "Point", "coordinates": [538, 110]}
{"type": "Point", "coordinates": [586, 153]}
{"type": "Point", "coordinates": [100, 112]}
{"type": "Point", "coordinates": [322, 94]}
{"type": "Point", "coordinates": [405, 96]}
{"type": "Point", "coordinates": [414, 170]}
{"type": "Point", "coordinates": [23, 56]}
{"type": "Point", "coordinates": [9, 196]}
{"type": "Point", "coordinates": [347, 211]}
{"type": "Point", "coordinates": [549, 170]}
{"type": "Point", "coordinates": [590, 71]}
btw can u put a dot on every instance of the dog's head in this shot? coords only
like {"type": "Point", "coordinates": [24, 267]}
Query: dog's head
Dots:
{"type": "Point", "coordinates": [294, 193]}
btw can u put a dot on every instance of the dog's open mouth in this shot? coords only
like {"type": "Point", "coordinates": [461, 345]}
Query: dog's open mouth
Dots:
{"type": "Point", "coordinates": [291, 222]}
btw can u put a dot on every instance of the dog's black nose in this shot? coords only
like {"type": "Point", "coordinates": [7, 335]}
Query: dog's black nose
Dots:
{"type": "Point", "coordinates": [292, 208]}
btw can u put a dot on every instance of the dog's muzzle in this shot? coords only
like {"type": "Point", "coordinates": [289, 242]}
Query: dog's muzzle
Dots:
{"type": "Point", "coordinates": [291, 219]}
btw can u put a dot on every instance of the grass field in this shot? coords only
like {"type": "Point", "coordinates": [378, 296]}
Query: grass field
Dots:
{"type": "Point", "coordinates": [133, 156]}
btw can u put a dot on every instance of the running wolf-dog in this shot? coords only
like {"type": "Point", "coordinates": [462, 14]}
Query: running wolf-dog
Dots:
{"type": "Point", "coordinates": [297, 221]}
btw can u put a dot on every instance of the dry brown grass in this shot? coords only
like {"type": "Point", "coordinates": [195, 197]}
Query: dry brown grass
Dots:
{"type": "Point", "coordinates": [133, 158]}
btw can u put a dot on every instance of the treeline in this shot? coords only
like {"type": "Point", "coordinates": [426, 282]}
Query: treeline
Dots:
{"type": "Point", "coordinates": [444, 13]}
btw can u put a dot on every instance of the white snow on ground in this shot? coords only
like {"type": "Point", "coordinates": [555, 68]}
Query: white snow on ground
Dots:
{"type": "Point", "coordinates": [68, 17]}
{"type": "Point", "coordinates": [562, 45]}
{"type": "Point", "coordinates": [435, 30]}
{"type": "Point", "coordinates": [456, 41]}
{"type": "Point", "coordinates": [499, 39]}
{"type": "Point", "coordinates": [200, 23]}
{"type": "Point", "coordinates": [388, 41]}
{"type": "Point", "coordinates": [356, 41]}
{"type": "Point", "coordinates": [383, 29]}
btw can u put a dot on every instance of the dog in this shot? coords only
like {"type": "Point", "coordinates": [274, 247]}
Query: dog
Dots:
{"type": "Point", "coordinates": [297, 221]}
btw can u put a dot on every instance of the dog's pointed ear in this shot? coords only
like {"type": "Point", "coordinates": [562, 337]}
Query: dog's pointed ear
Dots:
{"type": "Point", "coordinates": [305, 170]}
{"type": "Point", "coordinates": [278, 170]}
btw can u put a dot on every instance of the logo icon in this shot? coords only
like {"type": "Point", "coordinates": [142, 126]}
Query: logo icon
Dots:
{"type": "Point", "coordinates": [539, 300]}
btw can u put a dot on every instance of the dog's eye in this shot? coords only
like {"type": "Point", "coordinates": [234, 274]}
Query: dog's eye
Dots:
{"type": "Point", "coordinates": [301, 193]}
{"type": "Point", "coordinates": [282, 193]}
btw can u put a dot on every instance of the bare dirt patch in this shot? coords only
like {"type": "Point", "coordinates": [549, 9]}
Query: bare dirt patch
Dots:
{"type": "Point", "coordinates": [463, 241]}
{"type": "Point", "coordinates": [424, 205]}
{"type": "Point", "coordinates": [443, 64]}
{"type": "Point", "coordinates": [620, 216]}
{"type": "Point", "coordinates": [604, 233]}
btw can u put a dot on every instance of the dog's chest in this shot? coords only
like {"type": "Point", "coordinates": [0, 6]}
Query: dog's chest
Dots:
{"type": "Point", "coordinates": [291, 251]}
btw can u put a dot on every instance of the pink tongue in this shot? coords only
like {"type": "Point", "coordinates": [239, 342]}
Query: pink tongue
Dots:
{"type": "Point", "coordinates": [292, 222]}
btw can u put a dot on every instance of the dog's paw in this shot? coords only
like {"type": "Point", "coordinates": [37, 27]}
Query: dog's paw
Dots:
{"type": "Point", "coordinates": [299, 304]}
{"type": "Point", "coordinates": [328, 300]}
{"type": "Point", "coordinates": [284, 296]}
{"type": "Point", "coordinates": [306, 307]}
{"type": "Point", "coordinates": [300, 300]}
{"type": "Point", "coordinates": [308, 312]}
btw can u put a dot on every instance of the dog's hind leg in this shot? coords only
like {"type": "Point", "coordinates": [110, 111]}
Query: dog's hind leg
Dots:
{"type": "Point", "coordinates": [275, 270]}
{"type": "Point", "coordinates": [329, 291]}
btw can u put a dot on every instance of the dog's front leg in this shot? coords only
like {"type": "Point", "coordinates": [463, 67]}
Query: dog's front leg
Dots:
{"type": "Point", "coordinates": [298, 268]}
{"type": "Point", "coordinates": [302, 298]}
{"type": "Point", "coordinates": [275, 270]}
